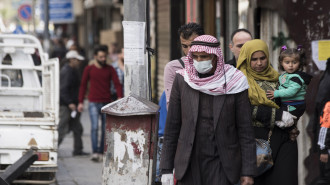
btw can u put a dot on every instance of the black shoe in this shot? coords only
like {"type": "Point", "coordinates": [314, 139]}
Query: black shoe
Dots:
{"type": "Point", "coordinates": [80, 153]}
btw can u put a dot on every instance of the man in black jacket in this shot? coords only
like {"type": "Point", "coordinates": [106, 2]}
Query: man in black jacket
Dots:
{"type": "Point", "coordinates": [322, 124]}
{"type": "Point", "coordinates": [238, 38]}
{"type": "Point", "coordinates": [69, 91]}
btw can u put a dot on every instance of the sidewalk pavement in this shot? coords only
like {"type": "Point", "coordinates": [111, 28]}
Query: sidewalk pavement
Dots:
{"type": "Point", "coordinates": [78, 170]}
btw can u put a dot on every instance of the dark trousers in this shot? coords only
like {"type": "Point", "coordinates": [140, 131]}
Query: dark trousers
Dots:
{"type": "Point", "coordinates": [324, 174]}
{"type": "Point", "coordinates": [298, 112]}
{"type": "Point", "coordinates": [68, 124]}
{"type": "Point", "coordinates": [191, 179]}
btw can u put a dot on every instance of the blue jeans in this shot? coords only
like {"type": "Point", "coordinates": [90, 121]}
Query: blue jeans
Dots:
{"type": "Point", "coordinates": [94, 113]}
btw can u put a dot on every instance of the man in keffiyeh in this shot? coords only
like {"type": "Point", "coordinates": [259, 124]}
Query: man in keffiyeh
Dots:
{"type": "Point", "coordinates": [208, 135]}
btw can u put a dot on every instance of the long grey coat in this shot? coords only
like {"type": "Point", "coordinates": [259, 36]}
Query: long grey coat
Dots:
{"type": "Point", "coordinates": [233, 131]}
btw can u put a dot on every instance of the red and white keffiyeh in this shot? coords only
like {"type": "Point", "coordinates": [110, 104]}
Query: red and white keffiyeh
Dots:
{"type": "Point", "coordinates": [225, 80]}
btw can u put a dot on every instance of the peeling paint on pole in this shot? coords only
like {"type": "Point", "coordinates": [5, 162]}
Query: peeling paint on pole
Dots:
{"type": "Point", "coordinates": [128, 162]}
{"type": "Point", "coordinates": [132, 144]}
{"type": "Point", "coordinates": [131, 133]}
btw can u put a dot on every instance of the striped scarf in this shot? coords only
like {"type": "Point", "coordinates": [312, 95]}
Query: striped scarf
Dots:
{"type": "Point", "coordinates": [225, 80]}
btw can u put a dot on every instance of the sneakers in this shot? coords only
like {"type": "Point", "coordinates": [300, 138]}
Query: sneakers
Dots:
{"type": "Point", "coordinates": [75, 154]}
{"type": "Point", "coordinates": [97, 157]}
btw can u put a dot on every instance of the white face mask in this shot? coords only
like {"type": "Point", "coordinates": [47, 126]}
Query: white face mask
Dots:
{"type": "Point", "coordinates": [203, 66]}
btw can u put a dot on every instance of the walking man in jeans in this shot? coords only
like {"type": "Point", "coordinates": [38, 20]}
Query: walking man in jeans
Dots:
{"type": "Point", "coordinates": [99, 76]}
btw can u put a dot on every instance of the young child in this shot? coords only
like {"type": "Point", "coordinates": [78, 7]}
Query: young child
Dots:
{"type": "Point", "coordinates": [293, 82]}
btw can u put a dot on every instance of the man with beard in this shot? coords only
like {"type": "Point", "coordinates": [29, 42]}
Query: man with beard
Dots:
{"type": "Point", "coordinates": [99, 76]}
{"type": "Point", "coordinates": [187, 33]}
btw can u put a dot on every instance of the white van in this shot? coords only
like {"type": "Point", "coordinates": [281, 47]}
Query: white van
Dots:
{"type": "Point", "coordinates": [29, 107]}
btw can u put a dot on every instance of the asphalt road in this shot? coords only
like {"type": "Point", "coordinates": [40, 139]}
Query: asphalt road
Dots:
{"type": "Point", "coordinates": [78, 170]}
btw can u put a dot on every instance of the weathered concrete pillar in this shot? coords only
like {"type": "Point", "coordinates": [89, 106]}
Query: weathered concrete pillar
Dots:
{"type": "Point", "coordinates": [131, 141]}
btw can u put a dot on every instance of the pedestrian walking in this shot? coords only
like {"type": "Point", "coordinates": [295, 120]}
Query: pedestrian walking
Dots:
{"type": "Point", "coordinates": [99, 76]}
{"type": "Point", "coordinates": [59, 49]}
{"type": "Point", "coordinates": [208, 135]}
{"type": "Point", "coordinates": [187, 33]}
{"type": "Point", "coordinates": [69, 90]}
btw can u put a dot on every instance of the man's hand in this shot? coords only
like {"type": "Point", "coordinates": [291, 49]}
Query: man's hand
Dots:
{"type": "Point", "coordinates": [72, 107]}
{"type": "Point", "coordinates": [324, 158]}
{"type": "Point", "coordinates": [80, 107]}
{"type": "Point", "coordinates": [167, 179]}
{"type": "Point", "coordinates": [245, 180]}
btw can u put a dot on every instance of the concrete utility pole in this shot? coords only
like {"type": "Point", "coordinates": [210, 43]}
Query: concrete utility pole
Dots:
{"type": "Point", "coordinates": [46, 29]}
{"type": "Point", "coordinates": [231, 11]}
{"type": "Point", "coordinates": [136, 76]}
{"type": "Point", "coordinates": [34, 16]}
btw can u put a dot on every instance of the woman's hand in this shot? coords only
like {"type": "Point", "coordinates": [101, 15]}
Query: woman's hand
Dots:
{"type": "Point", "coordinates": [270, 94]}
{"type": "Point", "coordinates": [294, 134]}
